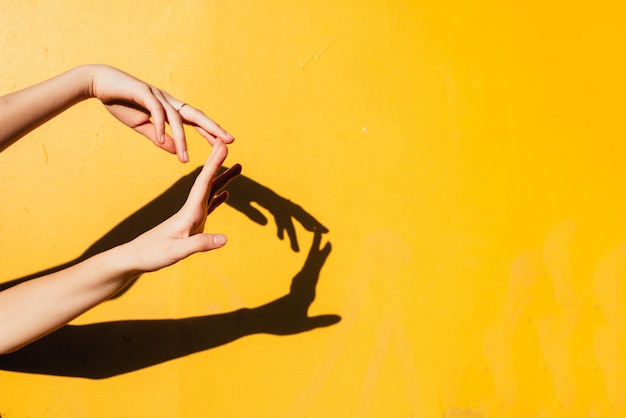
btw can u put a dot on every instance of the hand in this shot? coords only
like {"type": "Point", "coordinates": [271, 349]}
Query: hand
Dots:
{"type": "Point", "coordinates": [146, 109]}
{"type": "Point", "coordinates": [246, 191]}
{"type": "Point", "coordinates": [182, 234]}
{"type": "Point", "coordinates": [289, 314]}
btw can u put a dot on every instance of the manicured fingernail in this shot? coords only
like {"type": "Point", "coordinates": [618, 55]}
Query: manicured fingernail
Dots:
{"type": "Point", "coordinates": [219, 240]}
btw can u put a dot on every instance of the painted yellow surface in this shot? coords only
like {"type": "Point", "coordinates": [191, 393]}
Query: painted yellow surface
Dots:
{"type": "Point", "coordinates": [466, 157]}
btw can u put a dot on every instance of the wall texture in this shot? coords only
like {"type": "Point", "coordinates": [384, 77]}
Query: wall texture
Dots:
{"type": "Point", "coordinates": [467, 159]}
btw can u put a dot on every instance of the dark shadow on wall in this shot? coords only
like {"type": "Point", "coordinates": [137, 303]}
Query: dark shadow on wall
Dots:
{"type": "Point", "coordinates": [107, 349]}
{"type": "Point", "coordinates": [243, 193]}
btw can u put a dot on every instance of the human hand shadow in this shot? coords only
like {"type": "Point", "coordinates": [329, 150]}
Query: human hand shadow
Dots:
{"type": "Point", "coordinates": [289, 314]}
{"type": "Point", "coordinates": [245, 191]}
{"type": "Point", "coordinates": [108, 349]}
{"type": "Point", "coordinates": [102, 350]}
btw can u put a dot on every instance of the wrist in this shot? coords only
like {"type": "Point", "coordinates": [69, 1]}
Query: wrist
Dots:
{"type": "Point", "coordinates": [122, 262]}
{"type": "Point", "coordinates": [87, 74]}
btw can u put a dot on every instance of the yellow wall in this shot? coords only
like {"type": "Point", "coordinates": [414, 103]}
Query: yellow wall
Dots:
{"type": "Point", "coordinates": [467, 158]}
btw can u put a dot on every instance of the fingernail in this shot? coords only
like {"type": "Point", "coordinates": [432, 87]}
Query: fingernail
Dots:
{"type": "Point", "coordinates": [219, 240]}
{"type": "Point", "coordinates": [185, 156]}
{"type": "Point", "coordinates": [162, 139]}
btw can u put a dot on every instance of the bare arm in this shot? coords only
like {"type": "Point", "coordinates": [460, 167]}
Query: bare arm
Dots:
{"type": "Point", "coordinates": [24, 110]}
{"type": "Point", "coordinates": [35, 308]}
{"type": "Point", "coordinates": [138, 105]}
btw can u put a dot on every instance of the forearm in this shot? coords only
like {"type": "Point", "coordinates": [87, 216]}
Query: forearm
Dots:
{"type": "Point", "coordinates": [35, 308]}
{"type": "Point", "coordinates": [24, 110]}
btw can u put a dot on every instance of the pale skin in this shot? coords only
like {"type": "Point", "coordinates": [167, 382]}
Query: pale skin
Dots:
{"type": "Point", "coordinates": [37, 307]}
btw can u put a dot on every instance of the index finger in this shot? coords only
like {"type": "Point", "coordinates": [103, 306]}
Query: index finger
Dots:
{"type": "Point", "coordinates": [205, 126]}
{"type": "Point", "coordinates": [202, 185]}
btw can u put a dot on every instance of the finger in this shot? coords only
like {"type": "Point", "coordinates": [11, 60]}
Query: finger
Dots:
{"type": "Point", "coordinates": [291, 232]}
{"type": "Point", "coordinates": [147, 99]}
{"type": "Point", "coordinates": [324, 252]}
{"type": "Point", "coordinates": [320, 321]}
{"type": "Point", "coordinates": [253, 214]}
{"type": "Point", "coordinates": [315, 245]}
{"type": "Point", "coordinates": [210, 138]}
{"type": "Point", "coordinates": [205, 126]}
{"type": "Point", "coordinates": [307, 220]}
{"type": "Point", "coordinates": [147, 130]}
{"type": "Point", "coordinates": [317, 257]}
{"type": "Point", "coordinates": [216, 201]}
{"type": "Point", "coordinates": [199, 192]}
{"type": "Point", "coordinates": [288, 226]}
{"type": "Point", "coordinates": [199, 243]}
{"type": "Point", "coordinates": [225, 178]}
{"type": "Point", "coordinates": [175, 121]}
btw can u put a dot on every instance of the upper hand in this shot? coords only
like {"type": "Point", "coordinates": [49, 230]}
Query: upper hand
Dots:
{"type": "Point", "coordinates": [147, 109]}
{"type": "Point", "coordinates": [246, 191]}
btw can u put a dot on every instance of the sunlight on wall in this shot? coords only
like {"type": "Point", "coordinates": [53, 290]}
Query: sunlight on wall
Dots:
{"type": "Point", "coordinates": [466, 159]}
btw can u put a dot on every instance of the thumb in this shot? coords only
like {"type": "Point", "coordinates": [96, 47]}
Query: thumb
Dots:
{"type": "Point", "coordinates": [200, 243]}
{"type": "Point", "coordinates": [321, 321]}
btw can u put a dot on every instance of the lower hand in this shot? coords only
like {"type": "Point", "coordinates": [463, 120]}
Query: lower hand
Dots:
{"type": "Point", "coordinates": [182, 234]}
